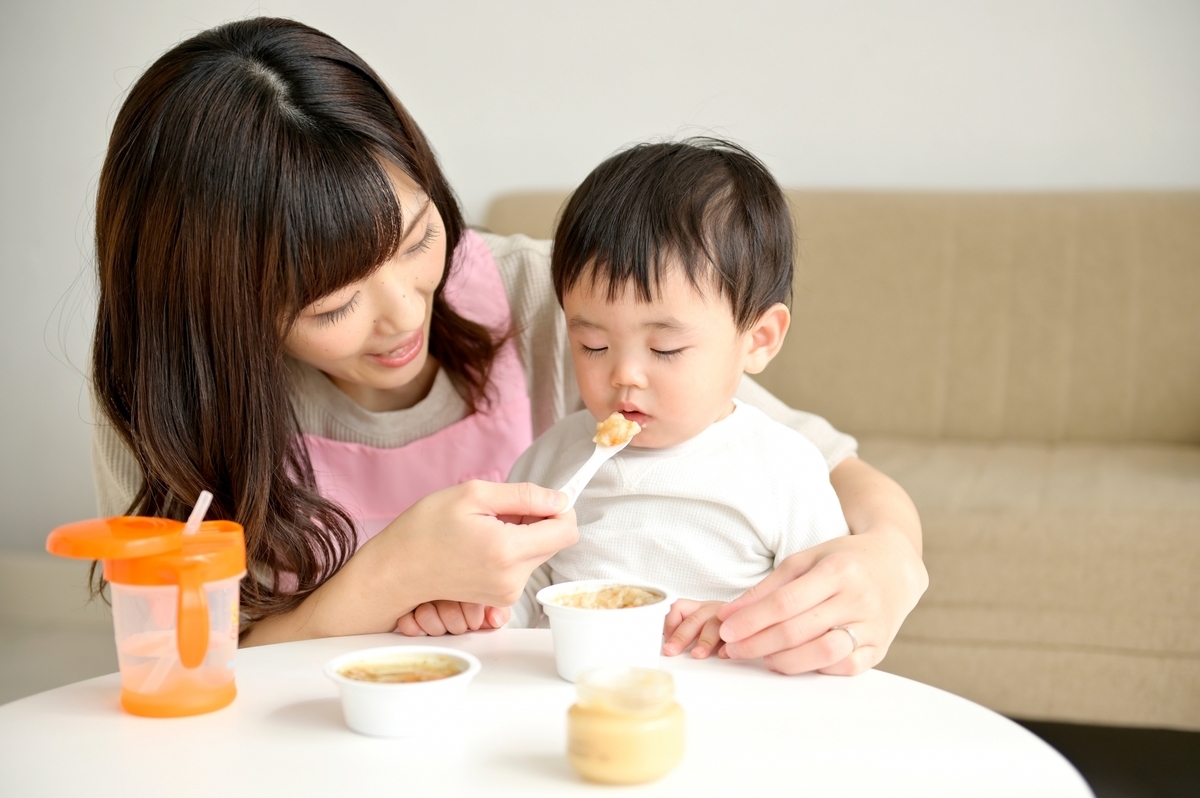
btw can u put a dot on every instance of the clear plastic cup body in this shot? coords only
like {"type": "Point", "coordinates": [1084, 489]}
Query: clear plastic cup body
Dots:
{"type": "Point", "coordinates": [153, 680]}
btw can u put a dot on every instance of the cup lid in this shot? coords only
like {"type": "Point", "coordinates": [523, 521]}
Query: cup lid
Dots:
{"type": "Point", "coordinates": [217, 551]}
{"type": "Point", "coordinates": [121, 537]}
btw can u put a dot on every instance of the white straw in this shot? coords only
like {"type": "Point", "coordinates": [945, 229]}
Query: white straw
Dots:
{"type": "Point", "coordinates": [193, 522]}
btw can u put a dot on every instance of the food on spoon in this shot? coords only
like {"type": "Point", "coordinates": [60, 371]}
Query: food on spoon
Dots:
{"type": "Point", "coordinates": [402, 670]}
{"type": "Point", "coordinates": [615, 430]}
{"type": "Point", "coordinates": [617, 597]}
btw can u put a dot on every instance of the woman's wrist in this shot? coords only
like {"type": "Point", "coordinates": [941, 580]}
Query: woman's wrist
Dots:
{"type": "Point", "coordinates": [348, 603]}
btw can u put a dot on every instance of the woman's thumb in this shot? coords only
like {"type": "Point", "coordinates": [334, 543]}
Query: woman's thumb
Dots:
{"type": "Point", "coordinates": [522, 499]}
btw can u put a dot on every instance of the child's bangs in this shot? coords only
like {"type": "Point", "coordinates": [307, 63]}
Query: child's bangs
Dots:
{"type": "Point", "coordinates": [339, 219]}
{"type": "Point", "coordinates": [638, 243]}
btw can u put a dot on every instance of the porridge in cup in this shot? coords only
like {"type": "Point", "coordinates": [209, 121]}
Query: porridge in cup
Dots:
{"type": "Point", "coordinates": [600, 623]}
{"type": "Point", "coordinates": [402, 691]}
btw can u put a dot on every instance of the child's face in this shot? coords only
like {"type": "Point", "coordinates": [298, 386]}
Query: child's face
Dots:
{"type": "Point", "coordinates": [672, 365]}
{"type": "Point", "coordinates": [372, 337]}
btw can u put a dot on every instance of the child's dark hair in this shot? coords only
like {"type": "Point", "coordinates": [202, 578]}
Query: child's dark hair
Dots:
{"type": "Point", "coordinates": [705, 204]}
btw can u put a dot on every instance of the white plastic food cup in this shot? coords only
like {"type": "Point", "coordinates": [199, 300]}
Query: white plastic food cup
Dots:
{"type": "Point", "coordinates": [389, 709]}
{"type": "Point", "coordinates": [593, 638]}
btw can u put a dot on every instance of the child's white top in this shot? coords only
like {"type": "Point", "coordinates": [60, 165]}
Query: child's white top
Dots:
{"type": "Point", "coordinates": [706, 519]}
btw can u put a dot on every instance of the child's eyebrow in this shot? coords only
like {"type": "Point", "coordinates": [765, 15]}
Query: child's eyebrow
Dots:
{"type": "Point", "coordinates": [578, 323]}
{"type": "Point", "coordinates": [663, 325]}
{"type": "Point", "coordinates": [669, 325]}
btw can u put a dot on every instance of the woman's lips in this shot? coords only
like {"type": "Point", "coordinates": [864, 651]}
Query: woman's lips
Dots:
{"type": "Point", "coordinates": [403, 354]}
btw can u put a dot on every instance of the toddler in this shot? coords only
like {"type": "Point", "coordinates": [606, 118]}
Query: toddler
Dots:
{"type": "Point", "coordinates": [673, 265]}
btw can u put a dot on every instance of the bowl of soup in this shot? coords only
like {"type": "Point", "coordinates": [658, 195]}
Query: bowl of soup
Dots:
{"type": "Point", "coordinates": [603, 623]}
{"type": "Point", "coordinates": [402, 691]}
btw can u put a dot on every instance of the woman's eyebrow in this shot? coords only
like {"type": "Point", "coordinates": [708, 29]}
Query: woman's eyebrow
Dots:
{"type": "Point", "coordinates": [407, 231]}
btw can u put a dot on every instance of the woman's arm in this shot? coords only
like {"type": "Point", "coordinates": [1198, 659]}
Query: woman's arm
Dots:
{"type": "Point", "coordinates": [867, 582]}
{"type": "Point", "coordinates": [475, 542]}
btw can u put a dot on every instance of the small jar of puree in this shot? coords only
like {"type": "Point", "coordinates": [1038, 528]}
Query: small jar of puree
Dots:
{"type": "Point", "coordinates": [626, 727]}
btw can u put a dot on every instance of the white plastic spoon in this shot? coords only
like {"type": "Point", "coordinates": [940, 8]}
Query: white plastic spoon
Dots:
{"type": "Point", "coordinates": [583, 476]}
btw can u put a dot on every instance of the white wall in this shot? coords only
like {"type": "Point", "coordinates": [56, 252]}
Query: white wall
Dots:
{"type": "Point", "coordinates": [1029, 94]}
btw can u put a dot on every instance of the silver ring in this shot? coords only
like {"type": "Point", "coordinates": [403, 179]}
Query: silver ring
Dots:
{"type": "Point", "coordinates": [853, 637]}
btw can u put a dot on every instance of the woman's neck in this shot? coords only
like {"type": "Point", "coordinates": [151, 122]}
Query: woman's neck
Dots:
{"type": "Point", "coordinates": [379, 400]}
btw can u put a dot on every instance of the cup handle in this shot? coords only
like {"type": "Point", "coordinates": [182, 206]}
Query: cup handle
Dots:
{"type": "Point", "coordinates": [192, 622]}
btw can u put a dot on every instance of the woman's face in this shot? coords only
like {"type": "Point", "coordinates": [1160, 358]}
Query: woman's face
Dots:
{"type": "Point", "coordinates": [371, 338]}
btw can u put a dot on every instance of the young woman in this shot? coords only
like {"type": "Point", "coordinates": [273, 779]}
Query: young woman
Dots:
{"type": "Point", "coordinates": [293, 316]}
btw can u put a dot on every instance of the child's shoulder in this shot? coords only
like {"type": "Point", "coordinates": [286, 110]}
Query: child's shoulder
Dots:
{"type": "Point", "coordinates": [774, 442]}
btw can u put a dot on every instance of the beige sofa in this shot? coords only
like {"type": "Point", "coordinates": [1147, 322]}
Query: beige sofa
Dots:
{"type": "Point", "coordinates": [1027, 366]}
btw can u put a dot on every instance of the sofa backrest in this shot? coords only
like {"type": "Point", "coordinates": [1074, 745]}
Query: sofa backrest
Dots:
{"type": "Point", "coordinates": [1039, 316]}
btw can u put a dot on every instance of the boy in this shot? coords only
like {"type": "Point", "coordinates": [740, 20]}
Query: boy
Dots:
{"type": "Point", "coordinates": [673, 264]}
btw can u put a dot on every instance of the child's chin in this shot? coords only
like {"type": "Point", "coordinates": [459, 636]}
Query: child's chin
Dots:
{"type": "Point", "coordinates": [648, 440]}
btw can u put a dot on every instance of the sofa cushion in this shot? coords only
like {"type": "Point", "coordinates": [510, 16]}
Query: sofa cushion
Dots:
{"type": "Point", "coordinates": [997, 316]}
{"type": "Point", "coordinates": [1063, 577]}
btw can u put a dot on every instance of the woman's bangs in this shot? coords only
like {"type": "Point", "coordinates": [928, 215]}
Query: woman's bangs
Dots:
{"type": "Point", "coordinates": [341, 219]}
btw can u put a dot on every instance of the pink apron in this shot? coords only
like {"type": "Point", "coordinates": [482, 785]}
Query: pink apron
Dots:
{"type": "Point", "coordinates": [376, 485]}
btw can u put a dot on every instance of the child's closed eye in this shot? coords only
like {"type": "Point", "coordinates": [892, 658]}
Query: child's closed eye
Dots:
{"type": "Point", "coordinates": [593, 351]}
{"type": "Point", "coordinates": [667, 354]}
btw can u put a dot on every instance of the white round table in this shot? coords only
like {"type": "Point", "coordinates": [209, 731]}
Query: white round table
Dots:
{"type": "Point", "coordinates": [749, 731]}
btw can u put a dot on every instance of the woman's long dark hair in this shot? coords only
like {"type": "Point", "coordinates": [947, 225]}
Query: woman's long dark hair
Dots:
{"type": "Point", "coordinates": [243, 182]}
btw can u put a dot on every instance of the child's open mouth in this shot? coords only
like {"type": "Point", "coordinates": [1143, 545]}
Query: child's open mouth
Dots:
{"type": "Point", "coordinates": [636, 416]}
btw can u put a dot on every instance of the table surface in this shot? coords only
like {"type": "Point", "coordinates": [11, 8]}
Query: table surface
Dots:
{"type": "Point", "coordinates": [748, 730]}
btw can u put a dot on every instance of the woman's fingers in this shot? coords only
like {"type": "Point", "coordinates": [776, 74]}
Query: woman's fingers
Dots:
{"type": "Point", "coordinates": [792, 632]}
{"type": "Point", "coordinates": [520, 499]}
{"type": "Point", "coordinates": [825, 652]}
{"type": "Point", "coordinates": [787, 598]}
{"type": "Point", "coordinates": [789, 569]}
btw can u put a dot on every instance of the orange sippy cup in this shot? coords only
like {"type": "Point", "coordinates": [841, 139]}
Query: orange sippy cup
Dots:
{"type": "Point", "coordinates": [175, 607]}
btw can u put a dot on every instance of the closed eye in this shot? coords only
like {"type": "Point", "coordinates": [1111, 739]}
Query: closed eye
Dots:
{"type": "Point", "coordinates": [593, 352]}
{"type": "Point", "coordinates": [667, 354]}
{"type": "Point", "coordinates": [431, 232]}
{"type": "Point", "coordinates": [336, 315]}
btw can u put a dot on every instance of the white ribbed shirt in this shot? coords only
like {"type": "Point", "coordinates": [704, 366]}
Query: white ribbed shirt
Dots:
{"type": "Point", "coordinates": [706, 519]}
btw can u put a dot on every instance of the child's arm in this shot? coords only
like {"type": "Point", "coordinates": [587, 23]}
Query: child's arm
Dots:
{"type": "Point", "coordinates": [693, 620]}
{"type": "Point", "coordinates": [437, 618]}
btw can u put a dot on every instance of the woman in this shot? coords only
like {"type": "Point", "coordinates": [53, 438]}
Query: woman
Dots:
{"type": "Point", "coordinates": [293, 317]}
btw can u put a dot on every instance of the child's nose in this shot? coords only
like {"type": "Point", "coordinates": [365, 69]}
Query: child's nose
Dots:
{"type": "Point", "coordinates": [628, 373]}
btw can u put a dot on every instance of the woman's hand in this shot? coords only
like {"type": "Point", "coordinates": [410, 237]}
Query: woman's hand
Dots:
{"type": "Point", "coordinates": [475, 542]}
{"type": "Point", "coordinates": [867, 582]}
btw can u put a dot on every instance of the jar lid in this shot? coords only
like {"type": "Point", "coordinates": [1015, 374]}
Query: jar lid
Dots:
{"type": "Point", "coordinates": [625, 689]}
{"type": "Point", "coordinates": [116, 538]}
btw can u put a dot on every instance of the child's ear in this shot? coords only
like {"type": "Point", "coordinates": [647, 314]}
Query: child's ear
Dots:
{"type": "Point", "coordinates": [766, 337]}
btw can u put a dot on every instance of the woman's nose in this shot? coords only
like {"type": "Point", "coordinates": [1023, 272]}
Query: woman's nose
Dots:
{"type": "Point", "coordinates": [400, 307]}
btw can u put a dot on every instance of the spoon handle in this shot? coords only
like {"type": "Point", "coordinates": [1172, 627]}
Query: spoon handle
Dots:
{"type": "Point", "coordinates": [583, 476]}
